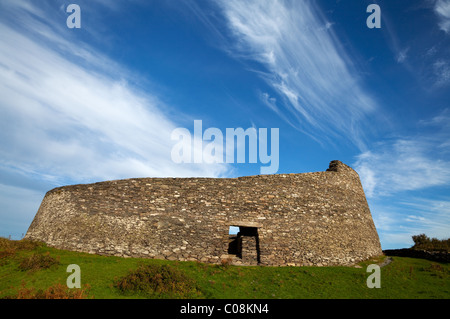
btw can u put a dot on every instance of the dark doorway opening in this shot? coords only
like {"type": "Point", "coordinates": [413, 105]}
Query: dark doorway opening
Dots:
{"type": "Point", "coordinates": [245, 245]}
{"type": "Point", "coordinates": [234, 247]}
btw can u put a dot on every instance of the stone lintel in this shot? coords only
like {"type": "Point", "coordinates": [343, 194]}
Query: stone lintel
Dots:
{"type": "Point", "coordinates": [245, 224]}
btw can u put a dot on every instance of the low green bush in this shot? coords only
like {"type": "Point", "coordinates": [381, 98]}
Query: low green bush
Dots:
{"type": "Point", "coordinates": [423, 242]}
{"type": "Point", "coordinates": [24, 244]}
{"type": "Point", "coordinates": [162, 281]}
{"type": "Point", "coordinates": [37, 262]}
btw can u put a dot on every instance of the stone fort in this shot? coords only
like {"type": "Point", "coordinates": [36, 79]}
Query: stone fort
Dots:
{"type": "Point", "coordinates": [319, 218]}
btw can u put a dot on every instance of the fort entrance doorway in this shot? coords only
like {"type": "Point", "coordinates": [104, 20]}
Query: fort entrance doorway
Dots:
{"type": "Point", "coordinates": [245, 244]}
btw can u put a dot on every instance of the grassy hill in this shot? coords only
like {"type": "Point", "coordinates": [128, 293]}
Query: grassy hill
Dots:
{"type": "Point", "coordinates": [30, 270]}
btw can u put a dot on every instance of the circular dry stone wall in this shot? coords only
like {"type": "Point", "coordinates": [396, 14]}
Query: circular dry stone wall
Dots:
{"type": "Point", "coordinates": [319, 218]}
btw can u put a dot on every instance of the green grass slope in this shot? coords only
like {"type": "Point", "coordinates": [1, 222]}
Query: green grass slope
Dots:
{"type": "Point", "coordinates": [31, 270]}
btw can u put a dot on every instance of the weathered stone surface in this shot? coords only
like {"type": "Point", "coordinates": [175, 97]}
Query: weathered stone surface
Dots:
{"type": "Point", "coordinates": [317, 218]}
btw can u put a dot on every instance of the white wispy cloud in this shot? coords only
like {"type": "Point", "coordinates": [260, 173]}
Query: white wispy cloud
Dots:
{"type": "Point", "coordinates": [440, 121]}
{"type": "Point", "coordinates": [22, 203]}
{"type": "Point", "coordinates": [70, 113]}
{"type": "Point", "coordinates": [431, 216]}
{"type": "Point", "coordinates": [390, 226]}
{"type": "Point", "coordinates": [398, 221]}
{"type": "Point", "coordinates": [442, 9]}
{"type": "Point", "coordinates": [410, 162]}
{"type": "Point", "coordinates": [402, 55]}
{"type": "Point", "coordinates": [441, 70]}
{"type": "Point", "coordinates": [402, 165]}
{"type": "Point", "coordinates": [398, 176]}
{"type": "Point", "coordinates": [303, 63]}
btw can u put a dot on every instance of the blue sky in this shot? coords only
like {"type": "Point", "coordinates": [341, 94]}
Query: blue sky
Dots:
{"type": "Point", "coordinates": [100, 102]}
